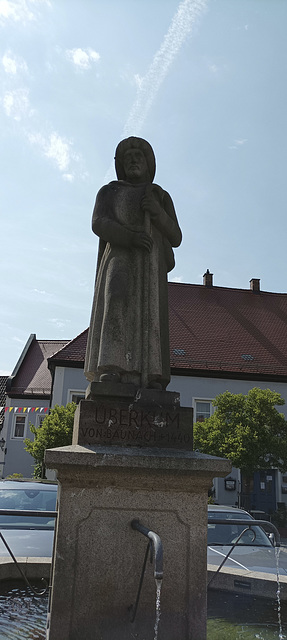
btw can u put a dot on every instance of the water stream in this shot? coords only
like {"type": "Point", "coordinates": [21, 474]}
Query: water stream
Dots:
{"type": "Point", "coordinates": [277, 554]}
{"type": "Point", "coordinates": [158, 584]}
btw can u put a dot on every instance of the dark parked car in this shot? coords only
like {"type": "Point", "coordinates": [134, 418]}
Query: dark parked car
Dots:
{"type": "Point", "coordinates": [27, 536]}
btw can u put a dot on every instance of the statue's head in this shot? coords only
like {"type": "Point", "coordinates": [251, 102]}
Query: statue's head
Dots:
{"type": "Point", "coordinates": [135, 156]}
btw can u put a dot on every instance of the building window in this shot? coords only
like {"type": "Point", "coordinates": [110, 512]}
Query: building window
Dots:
{"type": "Point", "coordinates": [203, 410]}
{"type": "Point", "coordinates": [40, 420]}
{"type": "Point", "coordinates": [76, 396]}
{"type": "Point", "coordinates": [19, 427]}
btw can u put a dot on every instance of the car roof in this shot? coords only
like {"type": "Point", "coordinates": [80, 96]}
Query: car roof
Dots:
{"type": "Point", "coordinates": [33, 485]}
{"type": "Point", "coordinates": [226, 509]}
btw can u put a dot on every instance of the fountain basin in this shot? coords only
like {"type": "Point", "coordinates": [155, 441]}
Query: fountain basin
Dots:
{"type": "Point", "coordinates": [33, 568]}
{"type": "Point", "coordinates": [240, 581]}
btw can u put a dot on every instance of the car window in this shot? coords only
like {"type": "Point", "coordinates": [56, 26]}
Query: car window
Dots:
{"type": "Point", "coordinates": [227, 534]}
{"type": "Point", "coordinates": [29, 500]}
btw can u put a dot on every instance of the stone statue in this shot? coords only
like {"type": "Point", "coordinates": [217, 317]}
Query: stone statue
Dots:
{"type": "Point", "coordinates": [136, 222]}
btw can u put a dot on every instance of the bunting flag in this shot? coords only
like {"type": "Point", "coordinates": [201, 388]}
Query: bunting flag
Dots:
{"type": "Point", "coordinates": [24, 409]}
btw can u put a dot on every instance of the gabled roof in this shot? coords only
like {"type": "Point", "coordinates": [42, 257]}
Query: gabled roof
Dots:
{"type": "Point", "coordinates": [31, 376]}
{"type": "Point", "coordinates": [216, 331]}
{"type": "Point", "coordinates": [73, 353]}
{"type": "Point", "coordinates": [221, 330]}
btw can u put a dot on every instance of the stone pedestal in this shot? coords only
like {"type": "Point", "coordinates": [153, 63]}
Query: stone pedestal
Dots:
{"type": "Point", "coordinates": [99, 557]}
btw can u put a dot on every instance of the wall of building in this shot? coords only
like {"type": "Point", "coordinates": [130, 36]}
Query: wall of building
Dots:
{"type": "Point", "coordinates": [17, 460]}
{"type": "Point", "coordinates": [67, 381]}
{"type": "Point", "coordinates": [192, 388]}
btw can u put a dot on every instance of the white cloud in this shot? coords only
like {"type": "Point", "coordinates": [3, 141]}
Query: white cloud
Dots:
{"type": "Point", "coordinates": [36, 138]}
{"type": "Point", "coordinates": [57, 149]}
{"type": "Point", "coordinates": [10, 10]}
{"type": "Point", "coordinates": [82, 58]}
{"type": "Point", "coordinates": [68, 177]}
{"type": "Point", "coordinates": [217, 70]}
{"type": "Point", "coordinates": [176, 279]}
{"type": "Point", "coordinates": [58, 322]}
{"type": "Point", "coordinates": [16, 104]}
{"type": "Point", "coordinates": [20, 10]}
{"type": "Point", "coordinates": [94, 55]}
{"type": "Point", "coordinates": [41, 291]}
{"type": "Point", "coordinates": [213, 68]}
{"type": "Point", "coordinates": [238, 143]}
{"type": "Point", "coordinates": [13, 64]}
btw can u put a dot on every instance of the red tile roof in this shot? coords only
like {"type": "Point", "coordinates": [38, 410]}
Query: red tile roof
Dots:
{"type": "Point", "coordinates": [33, 376]}
{"type": "Point", "coordinates": [73, 352]}
{"type": "Point", "coordinates": [228, 330]}
{"type": "Point", "coordinates": [217, 331]}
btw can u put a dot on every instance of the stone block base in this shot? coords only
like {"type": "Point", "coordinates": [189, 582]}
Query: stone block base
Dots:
{"type": "Point", "coordinates": [99, 557]}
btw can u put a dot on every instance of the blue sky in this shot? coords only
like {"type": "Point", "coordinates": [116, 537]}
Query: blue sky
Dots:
{"type": "Point", "coordinates": [204, 81]}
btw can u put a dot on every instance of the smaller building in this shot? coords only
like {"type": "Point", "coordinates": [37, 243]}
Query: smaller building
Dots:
{"type": "Point", "coordinates": [28, 392]}
{"type": "Point", "coordinates": [67, 369]}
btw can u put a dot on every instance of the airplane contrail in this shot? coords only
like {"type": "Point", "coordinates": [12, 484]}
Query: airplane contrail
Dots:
{"type": "Point", "coordinates": [180, 28]}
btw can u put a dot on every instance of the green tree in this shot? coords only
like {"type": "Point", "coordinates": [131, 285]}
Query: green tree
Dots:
{"type": "Point", "coordinates": [246, 429]}
{"type": "Point", "coordinates": [56, 430]}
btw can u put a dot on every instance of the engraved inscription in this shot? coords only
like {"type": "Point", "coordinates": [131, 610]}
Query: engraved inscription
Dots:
{"type": "Point", "coordinates": [138, 419]}
{"type": "Point", "coordinates": [125, 424]}
{"type": "Point", "coordinates": [138, 436]}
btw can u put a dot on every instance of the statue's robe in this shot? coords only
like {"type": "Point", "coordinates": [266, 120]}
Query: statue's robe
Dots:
{"type": "Point", "coordinates": [129, 331]}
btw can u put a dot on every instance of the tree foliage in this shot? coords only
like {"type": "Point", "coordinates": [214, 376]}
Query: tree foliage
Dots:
{"type": "Point", "coordinates": [246, 429]}
{"type": "Point", "coordinates": [56, 430]}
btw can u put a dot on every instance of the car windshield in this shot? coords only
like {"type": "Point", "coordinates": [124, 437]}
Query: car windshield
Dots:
{"type": "Point", "coordinates": [27, 499]}
{"type": "Point", "coordinates": [227, 534]}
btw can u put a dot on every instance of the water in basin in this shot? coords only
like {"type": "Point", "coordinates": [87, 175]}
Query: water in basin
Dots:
{"type": "Point", "coordinates": [243, 617]}
{"type": "Point", "coordinates": [230, 616]}
{"type": "Point", "coordinates": [22, 615]}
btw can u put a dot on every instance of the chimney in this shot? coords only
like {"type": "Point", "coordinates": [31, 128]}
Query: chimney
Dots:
{"type": "Point", "coordinates": [255, 284]}
{"type": "Point", "coordinates": [208, 279]}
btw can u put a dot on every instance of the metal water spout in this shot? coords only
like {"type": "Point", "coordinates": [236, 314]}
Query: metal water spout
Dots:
{"type": "Point", "coordinates": [157, 546]}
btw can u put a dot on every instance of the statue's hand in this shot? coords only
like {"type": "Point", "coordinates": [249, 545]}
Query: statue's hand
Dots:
{"type": "Point", "coordinates": [142, 240]}
{"type": "Point", "coordinates": [151, 205]}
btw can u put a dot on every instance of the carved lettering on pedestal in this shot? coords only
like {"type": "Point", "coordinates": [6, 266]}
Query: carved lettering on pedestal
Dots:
{"type": "Point", "coordinates": [128, 426]}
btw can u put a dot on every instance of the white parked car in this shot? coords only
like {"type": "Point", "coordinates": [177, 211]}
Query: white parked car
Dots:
{"type": "Point", "coordinates": [254, 551]}
{"type": "Point", "coordinates": [27, 536]}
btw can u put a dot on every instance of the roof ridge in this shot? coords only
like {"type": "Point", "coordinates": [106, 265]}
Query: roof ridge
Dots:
{"type": "Point", "coordinates": [202, 286]}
